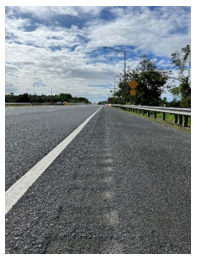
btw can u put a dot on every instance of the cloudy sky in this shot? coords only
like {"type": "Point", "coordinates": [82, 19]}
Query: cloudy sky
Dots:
{"type": "Point", "coordinates": [60, 48]}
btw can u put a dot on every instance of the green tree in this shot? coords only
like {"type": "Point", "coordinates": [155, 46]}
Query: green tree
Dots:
{"type": "Point", "coordinates": [150, 79]}
{"type": "Point", "coordinates": [10, 97]}
{"type": "Point", "coordinates": [182, 62]}
{"type": "Point", "coordinates": [65, 97]}
{"type": "Point", "coordinates": [23, 98]}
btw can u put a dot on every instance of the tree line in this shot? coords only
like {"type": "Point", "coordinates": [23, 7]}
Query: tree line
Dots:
{"type": "Point", "coordinates": [28, 98]}
{"type": "Point", "coordinates": [153, 81]}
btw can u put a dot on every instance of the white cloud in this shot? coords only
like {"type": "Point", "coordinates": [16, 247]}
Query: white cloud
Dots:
{"type": "Point", "coordinates": [45, 12]}
{"type": "Point", "coordinates": [144, 30]}
{"type": "Point", "coordinates": [72, 56]}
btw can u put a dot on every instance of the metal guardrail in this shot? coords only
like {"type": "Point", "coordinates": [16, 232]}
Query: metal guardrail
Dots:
{"type": "Point", "coordinates": [40, 104]}
{"type": "Point", "coordinates": [178, 113]}
{"type": "Point", "coordinates": [25, 104]}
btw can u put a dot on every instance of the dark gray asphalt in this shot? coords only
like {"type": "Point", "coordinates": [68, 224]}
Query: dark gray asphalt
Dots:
{"type": "Point", "coordinates": [121, 186]}
{"type": "Point", "coordinates": [32, 132]}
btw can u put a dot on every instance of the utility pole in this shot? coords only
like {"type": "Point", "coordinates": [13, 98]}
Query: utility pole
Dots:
{"type": "Point", "coordinates": [51, 93]}
{"type": "Point", "coordinates": [124, 57]}
{"type": "Point", "coordinates": [114, 79]}
{"type": "Point", "coordinates": [35, 88]}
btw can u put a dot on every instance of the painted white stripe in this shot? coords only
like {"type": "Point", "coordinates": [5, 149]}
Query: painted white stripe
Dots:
{"type": "Point", "coordinates": [17, 190]}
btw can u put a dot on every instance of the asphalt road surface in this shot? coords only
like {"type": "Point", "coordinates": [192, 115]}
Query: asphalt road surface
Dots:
{"type": "Point", "coordinates": [32, 132]}
{"type": "Point", "coordinates": [122, 186]}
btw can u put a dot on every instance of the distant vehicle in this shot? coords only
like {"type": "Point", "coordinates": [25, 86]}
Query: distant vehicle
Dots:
{"type": "Point", "coordinates": [59, 103]}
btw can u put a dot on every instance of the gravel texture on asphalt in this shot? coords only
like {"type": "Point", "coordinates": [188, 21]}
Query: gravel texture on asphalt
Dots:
{"type": "Point", "coordinates": [122, 186]}
{"type": "Point", "coordinates": [32, 132]}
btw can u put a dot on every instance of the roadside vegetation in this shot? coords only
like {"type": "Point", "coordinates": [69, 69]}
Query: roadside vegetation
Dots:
{"type": "Point", "coordinates": [28, 98]}
{"type": "Point", "coordinates": [154, 81]}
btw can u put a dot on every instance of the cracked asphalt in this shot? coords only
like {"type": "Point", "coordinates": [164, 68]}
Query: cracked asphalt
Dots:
{"type": "Point", "coordinates": [122, 186]}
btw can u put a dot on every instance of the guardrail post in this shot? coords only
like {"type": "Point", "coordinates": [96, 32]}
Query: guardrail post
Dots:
{"type": "Point", "coordinates": [185, 121]}
{"type": "Point", "coordinates": [164, 116]}
{"type": "Point", "coordinates": [155, 114]}
{"type": "Point", "coordinates": [148, 113]}
{"type": "Point", "coordinates": [143, 112]}
{"type": "Point", "coordinates": [138, 111]}
{"type": "Point", "coordinates": [175, 118]}
{"type": "Point", "coordinates": [180, 119]}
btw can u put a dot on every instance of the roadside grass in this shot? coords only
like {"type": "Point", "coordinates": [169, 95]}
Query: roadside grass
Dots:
{"type": "Point", "coordinates": [169, 120]}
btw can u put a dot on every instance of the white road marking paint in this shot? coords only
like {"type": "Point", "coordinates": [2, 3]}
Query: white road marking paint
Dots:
{"type": "Point", "coordinates": [113, 247]}
{"type": "Point", "coordinates": [108, 179]}
{"type": "Point", "coordinates": [108, 169]}
{"type": "Point", "coordinates": [106, 161]}
{"type": "Point", "coordinates": [18, 189]}
{"type": "Point", "coordinates": [108, 195]}
{"type": "Point", "coordinates": [112, 217]}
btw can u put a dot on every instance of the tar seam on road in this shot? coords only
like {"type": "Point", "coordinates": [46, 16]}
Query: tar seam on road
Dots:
{"type": "Point", "coordinates": [18, 189]}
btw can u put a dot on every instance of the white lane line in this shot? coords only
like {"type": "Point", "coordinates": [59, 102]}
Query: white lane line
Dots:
{"type": "Point", "coordinates": [17, 190]}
